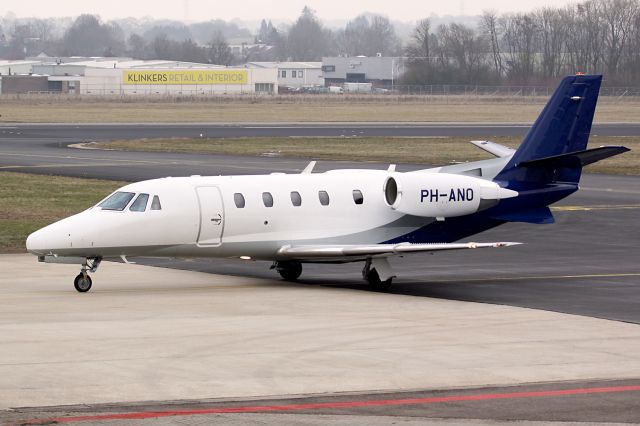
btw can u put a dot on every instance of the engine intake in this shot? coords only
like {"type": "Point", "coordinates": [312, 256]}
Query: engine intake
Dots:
{"type": "Point", "coordinates": [441, 195]}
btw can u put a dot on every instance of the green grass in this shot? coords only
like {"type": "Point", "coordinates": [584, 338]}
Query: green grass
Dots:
{"type": "Point", "coordinates": [29, 202]}
{"type": "Point", "coordinates": [431, 151]}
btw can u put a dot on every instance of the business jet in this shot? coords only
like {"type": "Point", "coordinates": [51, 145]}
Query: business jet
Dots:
{"type": "Point", "coordinates": [339, 216]}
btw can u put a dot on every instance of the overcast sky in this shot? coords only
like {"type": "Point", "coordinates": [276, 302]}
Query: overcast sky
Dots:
{"type": "Point", "coordinates": [202, 10]}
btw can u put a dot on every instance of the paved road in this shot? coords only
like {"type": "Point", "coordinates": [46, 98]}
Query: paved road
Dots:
{"type": "Point", "coordinates": [89, 132]}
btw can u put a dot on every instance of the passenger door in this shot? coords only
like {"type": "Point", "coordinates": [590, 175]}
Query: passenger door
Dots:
{"type": "Point", "coordinates": [211, 215]}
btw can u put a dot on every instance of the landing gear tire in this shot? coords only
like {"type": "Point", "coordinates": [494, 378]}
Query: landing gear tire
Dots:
{"type": "Point", "coordinates": [376, 284]}
{"type": "Point", "coordinates": [82, 283]}
{"type": "Point", "coordinates": [289, 270]}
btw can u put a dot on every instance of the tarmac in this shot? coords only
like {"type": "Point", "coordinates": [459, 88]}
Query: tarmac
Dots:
{"type": "Point", "coordinates": [155, 334]}
{"type": "Point", "coordinates": [544, 332]}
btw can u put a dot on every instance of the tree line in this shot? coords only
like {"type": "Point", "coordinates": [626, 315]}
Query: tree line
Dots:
{"type": "Point", "coordinates": [593, 36]}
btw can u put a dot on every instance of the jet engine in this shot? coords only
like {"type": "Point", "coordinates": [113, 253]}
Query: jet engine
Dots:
{"type": "Point", "coordinates": [441, 195]}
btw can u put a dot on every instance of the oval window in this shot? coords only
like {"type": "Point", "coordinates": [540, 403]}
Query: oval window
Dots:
{"type": "Point", "coordinates": [267, 199]}
{"type": "Point", "coordinates": [358, 198]}
{"type": "Point", "coordinates": [323, 196]}
{"type": "Point", "coordinates": [296, 199]}
{"type": "Point", "coordinates": [238, 198]}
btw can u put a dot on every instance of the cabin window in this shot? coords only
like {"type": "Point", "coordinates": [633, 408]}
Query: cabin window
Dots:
{"type": "Point", "coordinates": [140, 204]}
{"type": "Point", "coordinates": [267, 199]}
{"type": "Point", "coordinates": [293, 74]}
{"type": "Point", "coordinates": [284, 73]}
{"type": "Point", "coordinates": [155, 204]}
{"type": "Point", "coordinates": [238, 198]}
{"type": "Point", "coordinates": [296, 199]}
{"type": "Point", "coordinates": [358, 198]}
{"type": "Point", "coordinates": [324, 198]}
{"type": "Point", "coordinates": [118, 201]}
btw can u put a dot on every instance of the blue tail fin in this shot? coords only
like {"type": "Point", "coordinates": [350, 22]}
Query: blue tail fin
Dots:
{"type": "Point", "coordinates": [563, 127]}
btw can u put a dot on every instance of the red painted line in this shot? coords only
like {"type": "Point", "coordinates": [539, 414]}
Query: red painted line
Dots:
{"type": "Point", "coordinates": [333, 405]}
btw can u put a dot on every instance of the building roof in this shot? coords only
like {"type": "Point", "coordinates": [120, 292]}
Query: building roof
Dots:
{"type": "Point", "coordinates": [287, 65]}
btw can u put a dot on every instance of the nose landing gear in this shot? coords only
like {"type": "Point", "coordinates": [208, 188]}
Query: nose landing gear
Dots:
{"type": "Point", "coordinates": [82, 282]}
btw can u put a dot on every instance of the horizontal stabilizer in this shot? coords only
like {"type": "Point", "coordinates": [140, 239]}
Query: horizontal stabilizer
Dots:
{"type": "Point", "coordinates": [572, 159]}
{"type": "Point", "coordinates": [358, 251]}
{"type": "Point", "coordinates": [538, 216]}
{"type": "Point", "coordinates": [494, 148]}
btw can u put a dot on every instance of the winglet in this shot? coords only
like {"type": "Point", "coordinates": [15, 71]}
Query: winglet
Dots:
{"type": "Point", "coordinates": [307, 170]}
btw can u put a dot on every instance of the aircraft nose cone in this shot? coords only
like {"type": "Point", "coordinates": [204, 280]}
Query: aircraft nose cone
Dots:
{"type": "Point", "coordinates": [36, 243]}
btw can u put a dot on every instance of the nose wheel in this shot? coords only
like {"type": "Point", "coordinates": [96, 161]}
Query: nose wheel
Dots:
{"type": "Point", "coordinates": [82, 283]}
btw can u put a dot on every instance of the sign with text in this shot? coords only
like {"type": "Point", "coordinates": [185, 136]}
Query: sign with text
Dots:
{"type": "Point", "coordinates": [185, 77]}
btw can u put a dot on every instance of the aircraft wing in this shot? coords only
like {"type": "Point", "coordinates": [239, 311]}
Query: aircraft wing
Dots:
{"type": "Point", "coordinates": [357, 251]}
{"type": "Point", "coordinates": [494, 148]}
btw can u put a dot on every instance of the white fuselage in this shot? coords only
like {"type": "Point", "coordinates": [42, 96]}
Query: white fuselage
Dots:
{"type": "Point", "coordinates": [199, 217]}
{"type": "Point", "coordinates": [257, 216]}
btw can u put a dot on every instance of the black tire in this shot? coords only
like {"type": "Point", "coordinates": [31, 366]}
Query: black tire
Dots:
{"type": "Point", "coordinates": [82, 283]}
{"type": "Point", "coordinates": [376, 284]}
{"type": "Point", "coordinates": [289, 270]}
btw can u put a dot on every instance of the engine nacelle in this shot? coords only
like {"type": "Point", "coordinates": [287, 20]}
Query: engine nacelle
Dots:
{"type": "Point", "coordinates": [441, 195]}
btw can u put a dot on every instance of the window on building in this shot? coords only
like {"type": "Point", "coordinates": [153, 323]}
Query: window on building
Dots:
{"type": "Point", "coordinates": [358, 198]}
{"type": "Point", "coordinates": [296, 199]}
{"type": "Point", "coordinates": [300, 74]}
{"type": "Point", "coordinates": [264, 87]}
{"type": "Point", "coordinates": [238, 198]}
{"type": "Point", "coordinates": [155, 204]}
{"type": "Point", "coordinates": [323, 196]}
{"type": "Point", "coordinates": [293, 74]}
{"type": "Point", "coordinates": [267, 199]}
{"type": "Point", "coordinates": [328, 68]}
{"type": "Point", "coordinates": [118, 201]}
{"type": "Point", "coordinates": [140, 204]}
{"type": "Point", "coordinates": [283, 73]}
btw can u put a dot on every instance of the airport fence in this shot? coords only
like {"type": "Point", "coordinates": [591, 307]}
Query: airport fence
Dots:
{"type": "Point", "coordinates": [445, 94]}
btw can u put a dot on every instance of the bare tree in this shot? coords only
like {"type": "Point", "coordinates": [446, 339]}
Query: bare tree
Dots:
{"type": "Point", "coordinates": [553, 33]}
{"type": "Point", "coordinates": [219, 51]}
{"type": "Point", "coordinates": [489, 25]}
{"type": "Point", "coordinates": [418, 52]}
{"type": "Point", "coordinates": [618, 17]}
{"type": "Point", "coordinates": [520, 36]}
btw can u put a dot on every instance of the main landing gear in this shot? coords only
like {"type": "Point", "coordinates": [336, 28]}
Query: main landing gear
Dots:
{"type": "Point", "coordinates": [378, 273]}
{"type": "Point", "coordinates": [83, 282]}
{"type": "Point", "coordinates": [290, 270]}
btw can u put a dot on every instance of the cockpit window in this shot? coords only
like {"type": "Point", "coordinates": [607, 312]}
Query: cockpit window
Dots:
{"type": "Point", "coordinates": [118, 201]}
{"type": "Point", "coordinates": [140, 204]}
{"type": "Point", "coordinates": [155, 204]}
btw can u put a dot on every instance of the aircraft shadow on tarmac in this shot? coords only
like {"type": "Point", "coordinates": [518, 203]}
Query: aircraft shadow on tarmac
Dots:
{"type": "Point", "coordinates": [597, 295]}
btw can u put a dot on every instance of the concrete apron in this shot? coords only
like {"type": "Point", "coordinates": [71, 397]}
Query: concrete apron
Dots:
{"type": "Point", "coordinates": [146, 333]}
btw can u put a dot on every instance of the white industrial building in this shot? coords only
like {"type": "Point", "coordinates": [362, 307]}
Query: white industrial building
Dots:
{"type": "Point", "coordinates": [125, 76]}
{"type": "Point", "coordinates": [294, 74]}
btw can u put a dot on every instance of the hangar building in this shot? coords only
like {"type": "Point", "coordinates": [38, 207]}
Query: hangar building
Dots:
{"type": "Point", "coordinates": [380, 71]}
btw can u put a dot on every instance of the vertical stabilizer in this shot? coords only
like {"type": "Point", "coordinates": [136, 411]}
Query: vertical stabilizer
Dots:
{"type": "Point", "coordinates": [563, 127]}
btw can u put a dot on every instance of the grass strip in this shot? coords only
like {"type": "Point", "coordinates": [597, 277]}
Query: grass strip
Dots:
{"type": "Point", "coordinates": [430, 151]}
{"type": "Point", "coordinates": [29, 202]}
